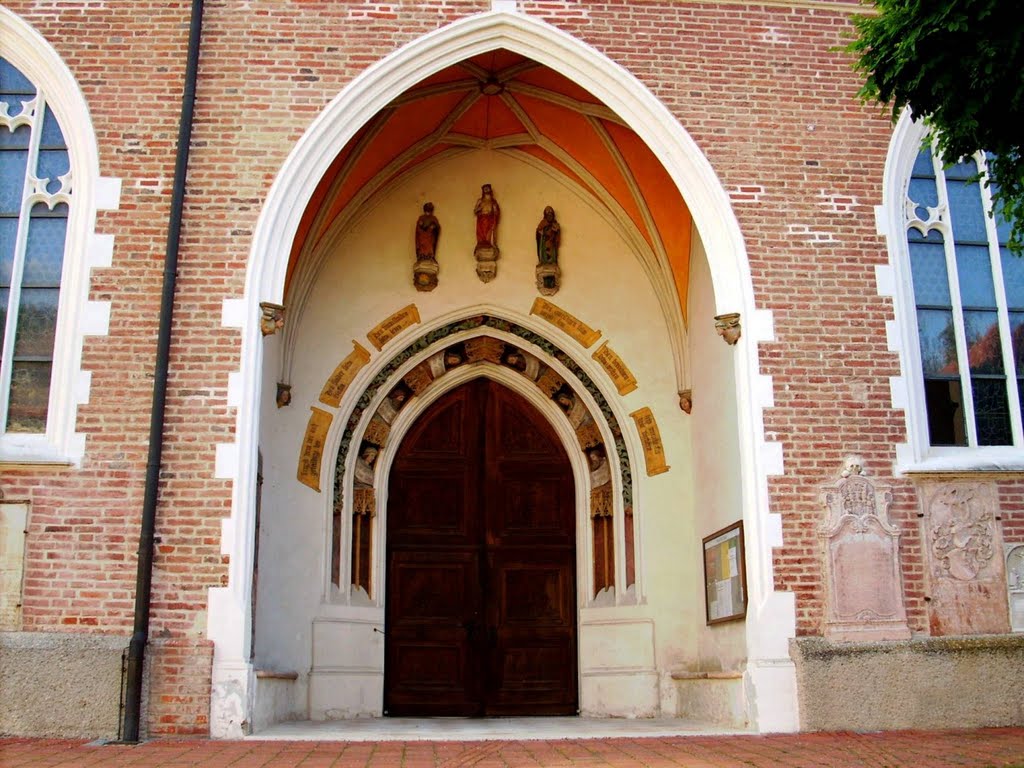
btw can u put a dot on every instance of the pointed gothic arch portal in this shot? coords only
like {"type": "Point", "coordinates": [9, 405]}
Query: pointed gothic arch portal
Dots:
{"type": "Point", "coordinates": [481, 561]}
{"type": "Point", "coordinates": [769, 682]}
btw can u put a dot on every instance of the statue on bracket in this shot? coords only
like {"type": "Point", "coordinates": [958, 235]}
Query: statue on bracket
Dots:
{"type": "Point", "coordinates": [428, 229]}
{"type": "Point", "coordinates": [486, 252]}
{"type": "Point", "coordinates": [549, 237]}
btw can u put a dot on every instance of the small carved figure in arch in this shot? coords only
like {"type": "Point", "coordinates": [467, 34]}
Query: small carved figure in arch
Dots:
{"type": "Point", "coordinates": [454, 356]}
{"type": "Point", "coordinates": [565, 399]}
{"type": "Point", "coordinates": [514, 358]}
{"type": "Point", "coordinates": [571, 405]}
{"type": "Point", "coordinates": [398, 397]}
{"type": "Point", "coordinates": [368, 453]}
{"type": "Point", "coordinates": [597, 460]}
{"type": "Point", "coordinates": [394, 402]}
{"type": "Point", "coordinates": [284, 394]}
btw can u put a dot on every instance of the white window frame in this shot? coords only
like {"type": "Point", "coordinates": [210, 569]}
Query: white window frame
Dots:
{"type": "Point", "coordinates": [77, 317]}
{"type": "Point", "coordinates": [894, 219]}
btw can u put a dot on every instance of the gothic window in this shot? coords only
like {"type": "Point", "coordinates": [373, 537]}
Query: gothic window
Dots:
{"type": "Point", "coordinates": [968, 300]}
{"type": "Point", "coordinates": [35, 194]}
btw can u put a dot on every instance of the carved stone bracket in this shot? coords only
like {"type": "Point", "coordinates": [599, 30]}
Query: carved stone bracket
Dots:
{"type": "Point", "coordinates": [863, 580]}
{"type": "Point", "coordinates": [728, 327]}
{"type": "Point", "coordinates": [271, 318]}
{"type": "Point", "coordinates": [284, 394]}
{"type": "Point", "coordinates": [486, 262]}
{"type": "Point", "coordinates": [549, 278]}
{"type": "Point", "coordinates": [686, 400]}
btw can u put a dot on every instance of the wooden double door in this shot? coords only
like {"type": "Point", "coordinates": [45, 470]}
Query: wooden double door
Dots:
{"type": "Point", "coordinates": [481, 562]}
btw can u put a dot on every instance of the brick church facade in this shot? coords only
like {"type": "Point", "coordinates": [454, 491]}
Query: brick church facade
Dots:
{"type": "Point", "coordinates": [739, 440]}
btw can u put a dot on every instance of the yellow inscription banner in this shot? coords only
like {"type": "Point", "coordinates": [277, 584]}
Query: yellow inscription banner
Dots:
{"type": "Point", "coordinates": [650, 438]}
{"type": "Point", "coordinates": [562, 320]}
{"type": "Point", "coordinates": [347, 369]}
{"type": "Point", "coordinates": [312, 453]}
{"type": "Point", "coordinates": [394, 325]}
{"type": "Point", "coordinates": [625, 381]}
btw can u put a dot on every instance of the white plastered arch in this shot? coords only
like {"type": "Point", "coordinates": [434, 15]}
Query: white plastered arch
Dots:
{"type": "Point", "coordinates": [77, 317]}
{"type": "Point", "coordinates": [770, 677]}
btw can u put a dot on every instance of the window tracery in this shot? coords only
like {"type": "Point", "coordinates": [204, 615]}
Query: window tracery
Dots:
{"type": "Point", "coordinates": [968, 294]}
{"type": "Point", "coordinates": [35, 196]}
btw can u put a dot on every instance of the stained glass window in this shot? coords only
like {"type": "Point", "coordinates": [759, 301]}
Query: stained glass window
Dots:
{"type": "Point", "coordinates": [35, 194]}
{"type": "Point", "coordinates": [969, 297]}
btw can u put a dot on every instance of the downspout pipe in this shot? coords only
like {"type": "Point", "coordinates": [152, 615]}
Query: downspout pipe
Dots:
{"type": "Point", "coordinates": [144, 577]}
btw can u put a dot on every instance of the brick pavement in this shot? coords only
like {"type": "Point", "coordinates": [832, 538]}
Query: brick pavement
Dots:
{"type": "Point", "coordinates": [898, 749]}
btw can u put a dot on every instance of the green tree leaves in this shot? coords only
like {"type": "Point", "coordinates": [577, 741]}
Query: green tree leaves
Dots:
{"type": "Point", "coordinates": [959, 65]}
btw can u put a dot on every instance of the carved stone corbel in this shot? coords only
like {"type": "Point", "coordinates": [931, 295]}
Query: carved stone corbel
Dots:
{"type": "Point", "coordinates": [686, 400]}
{"type": "Point", "coordinates": [728, 327]}
{"type": "Point", "coordinates": [284, 394]}
{"type": "Point", "coordinates": [271, 317]}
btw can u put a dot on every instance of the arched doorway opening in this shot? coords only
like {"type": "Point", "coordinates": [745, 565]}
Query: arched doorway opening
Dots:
{"type": "Point", "coordinates": [481, 560]}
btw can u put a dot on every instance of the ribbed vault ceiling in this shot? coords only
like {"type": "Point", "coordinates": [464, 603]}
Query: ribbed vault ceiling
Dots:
{"type": "Point", "coordinates": [506, 102]}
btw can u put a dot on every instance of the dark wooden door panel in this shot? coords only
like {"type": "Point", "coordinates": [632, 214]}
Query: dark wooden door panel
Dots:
{"type": "Point", "coordinates": [532, 674]}
{"type": "Point", "coordinates": [425, 506]}
{"type": "Point", "coordinates": [481, 594]}
{"type": "Point", "coordinates": [434, 617]}
{"type": "Point", "coordinates": [530, 510]}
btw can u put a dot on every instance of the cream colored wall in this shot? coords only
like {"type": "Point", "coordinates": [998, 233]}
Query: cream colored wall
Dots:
{"type": "Point", "coordinates": [715, 433]}
{"type": "Point", "coordinates": [368, 276]}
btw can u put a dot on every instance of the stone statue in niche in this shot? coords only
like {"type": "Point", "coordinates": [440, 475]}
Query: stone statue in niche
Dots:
{"type": "Point", "coordinates": [549, 238]}
{"type": "Point", "coordinates": [428, 229]}
{"type": "Point", "coordinates": [863, 579]}
{"type": "Point", "coordinates": [368, 453]}
{"type": "Point", "coordinates": [486, 252]}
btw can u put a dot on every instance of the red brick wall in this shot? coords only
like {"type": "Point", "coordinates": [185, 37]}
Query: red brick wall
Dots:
{"type": "Point", "coordinates": [761, 89]}
{"type": "Point", "coordinates": [179, 686]}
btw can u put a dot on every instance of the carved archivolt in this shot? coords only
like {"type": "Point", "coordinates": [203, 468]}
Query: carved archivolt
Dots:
{"type": "Point", "coordinates": [589, 427]}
